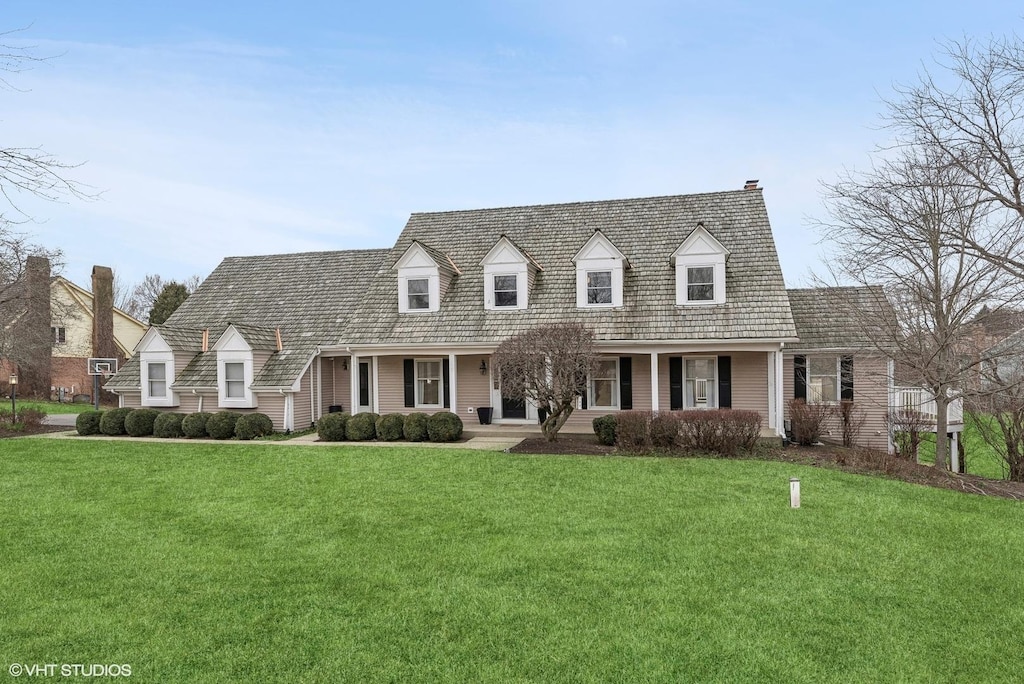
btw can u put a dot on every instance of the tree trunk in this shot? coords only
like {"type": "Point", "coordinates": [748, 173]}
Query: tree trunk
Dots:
{"type": "Point", "coordinates": [555, 421]}
{"type": "Point", "coordinates": [941, 430]}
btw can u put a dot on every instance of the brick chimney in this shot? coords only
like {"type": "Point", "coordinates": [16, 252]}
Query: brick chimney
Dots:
{"type": "Point", "coordinates": [750, 185]}
{"type": "Point", "coordinates": [34, 337]}
{"type": "Point", "coordinates": [103, 345]}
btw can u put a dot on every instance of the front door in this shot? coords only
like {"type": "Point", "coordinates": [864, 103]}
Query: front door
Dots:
{"type": "Point", "coordinates": [513, 408]}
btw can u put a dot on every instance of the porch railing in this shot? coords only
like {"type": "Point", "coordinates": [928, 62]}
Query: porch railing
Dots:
{"type": "Point", "coordinates": [922, 401]}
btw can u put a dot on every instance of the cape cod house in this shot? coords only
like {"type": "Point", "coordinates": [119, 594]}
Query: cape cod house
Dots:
{"type": "Point", "coordinates": [684, 294]}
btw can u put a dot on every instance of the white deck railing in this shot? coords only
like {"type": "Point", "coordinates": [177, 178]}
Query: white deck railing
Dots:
{"type": "Point", "coordinates": [922, 401]}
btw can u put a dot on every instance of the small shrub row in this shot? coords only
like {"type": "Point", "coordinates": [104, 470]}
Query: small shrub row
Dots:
{"type": "Point", "coordinates": [722, 431]}
{"type": "Point", "coordinates": [415, 427]}
{"type": "Point", "coordinates": [145, 422]}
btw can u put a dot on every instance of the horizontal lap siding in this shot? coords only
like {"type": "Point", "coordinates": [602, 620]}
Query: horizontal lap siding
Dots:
{"type": "Point", "coordinates": [641, 394]}
{"type": "Point", "coordinates": [303, 412]}
{"type": "Point", "coordinates": [326, 393]}
{"type": "Point", "coordinates": [272, 405]}
{"type": "Point", "coordinates": [189, 403]}
{"type": "Point", "coordinates": [132, 400]}
{"type": "Point", "coordinates": [473, 387]}
{"type": "Point", "coordinates": [390, 385]}
{"type": "Point", "coordinates": [870, 394]}
{"type": "Point", "coordinates": [750, 382]}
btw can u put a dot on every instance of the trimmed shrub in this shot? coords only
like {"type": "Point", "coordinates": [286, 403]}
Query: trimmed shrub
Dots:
{"type": "Point", "coordinates": [665, 430]}
{"type": "Point", "coordinates": [390, 427]}
{"type": "Point", "coordinates": [633, 431]}
{"type": "Point", "coordinates": [722, 431]}
{"type": "Point", "coordinates": [415, 427]}
{"type": "Point", "coordinates": [604, 428]}
{"type": "Point", "coordinates": [361, 427]}
{"type": "Point", "coordinates": [253, 425]}
{"type": "Point", "coordinates": [88, 422]}
{"type": "Point", "coordinates": [112, 421]}
{"type": "Point", "coordinates": [30, 418]}
{"type": "Point", "coordinates": [139, 423]}
{"type": "Point", "coordinates": [331, 428]}
{"type": "Point", "coordinates": [168, 425]}
{"type": "Point", "coordinates": [444, 427]}
{"type": "Point", "coordinates": [221, 425]}
{"type": "Point", "coordinates": [194, 425]}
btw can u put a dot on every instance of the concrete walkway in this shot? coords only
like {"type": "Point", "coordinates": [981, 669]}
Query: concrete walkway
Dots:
{"type": "Point", "coordinates": [62, 419]}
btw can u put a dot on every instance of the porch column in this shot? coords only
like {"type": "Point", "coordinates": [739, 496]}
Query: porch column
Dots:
{"type": "Point", "coordinates": [453, 384]}
{"type": "Point", "coordinates": [318, 407]}
{"type": "Point", "coordinates": [353, 369]}
{"type": "Point", "coordinates": [780, 402]}
{"type": "Point", "coordinates": [375, 393]}
{"type": "Point", "coordinates": [654, 381]}
{"type": "Point", "coordinates": [773, 380]}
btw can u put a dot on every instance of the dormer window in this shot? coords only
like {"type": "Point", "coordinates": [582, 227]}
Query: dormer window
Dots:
{"type": "Point", "coordinates": [234, 380]}
{"type": "Point", "coordinates": [418, 292]}
{"type": "Point", "coordinates": [509, 273]}
{"type": "Point", "coordinates": [599, 287]}
{"type": "Point", "coordinates": [235, 369]}
{"type": "Point", "coordinates": [599, 273]}
{"type": "Point", "coordinates": [700, 283]}
{"type": "Point", "coordinates": [700, 269]}
{"type": "Point", "coordinates": [506, 291]}
{"type": "Point", "coordinates": [423, 278]}
{"type": "Point", "coordinates": [156, 373]}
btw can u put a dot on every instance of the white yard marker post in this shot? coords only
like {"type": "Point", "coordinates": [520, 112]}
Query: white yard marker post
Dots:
{"type": "Point", "coordinates": [794, 492]}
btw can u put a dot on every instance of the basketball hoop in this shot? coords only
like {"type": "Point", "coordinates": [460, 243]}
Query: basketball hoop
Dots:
{"type": "Point", "coordinates": [96, 368]}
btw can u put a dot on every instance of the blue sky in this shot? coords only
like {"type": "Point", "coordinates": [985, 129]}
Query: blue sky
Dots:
{"type": "Point", "coordinates": [229, 128]}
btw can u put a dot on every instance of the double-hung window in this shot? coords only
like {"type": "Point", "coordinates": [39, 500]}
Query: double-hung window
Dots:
{"type": "Point", "coordinates": [157, 379]}
{"type": "Point", "coordinates": [59, 335]}
{"type": "Point", "coordinates": [823, 379]}
{"type": "Point", "coordinates": [700, 284]}
{"type": "Point", "coordinates": [428, 383]}
{"type": "Point", "coordinates": [506, 291]}
{"type": "Point", "coordinates": [234, 380]}
{"type": "Point", "coordinates": [419, 293]}
{"type": "Point", "coordinates": [700, 384]}
{"type": "Point", "coordinates": [599, 287]}
{"type": "Point", "coordinates": [604, 384]}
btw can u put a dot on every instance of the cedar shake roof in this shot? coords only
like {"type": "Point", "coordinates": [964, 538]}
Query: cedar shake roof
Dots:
{"type": "Point", "coordinates": [837, 317]}
{"type": "Point", "coordinates": [647, 231]}
{"type": "Point", "coordinates": [127, 376]}
{"type": "Point", "coordinates": [200, 373]}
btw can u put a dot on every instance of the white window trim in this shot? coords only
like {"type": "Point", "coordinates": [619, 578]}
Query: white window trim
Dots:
{"type": "Point", "coordinates": [616, 389]}
{"type": "Point", "coordinates": [713, 381]}
{"type": "Point", "coordinates": [599, 266]}
{"type": "Point", "coordinates": [491, 272]}
{"type": "Point", "coordinates": [838, 376]}
{"type": "Point", "coordinates": [433, 289]}
{"type": "Point", "coordinates": [686, 284]}
{"type": "Point", "coordinates": [440, 382]}
{"type": "Point", "coordinates": [248, 400]}
{"type": "Point", "coordinates": [167, 359]}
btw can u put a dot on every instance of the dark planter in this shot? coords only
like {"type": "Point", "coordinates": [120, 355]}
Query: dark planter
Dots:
{"type": "Point", "coordinates": [334, 408]}
{"type": "Point", "coordinates": [485, 413]}
{"type": "Point", "coordinates": [542, 415]}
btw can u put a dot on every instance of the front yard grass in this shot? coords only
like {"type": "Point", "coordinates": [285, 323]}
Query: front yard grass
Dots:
{"type": "Point", "coordinates": [236, 562]}
{"type": "Point", "coordinates": [51, 407]}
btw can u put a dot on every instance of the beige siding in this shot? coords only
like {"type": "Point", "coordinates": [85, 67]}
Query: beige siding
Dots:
{"type": "Point", "coordinates": [303, 414]}
{"type": "Point", "coordinates": [272, 404]}
{"type": "Point", "coordinates": [641, 394]}
{"type": "Point", "coordinates": [182, 359]}
{"type": "Point", "coordinates": [474, 388]}
{"type": "Point", "coordinates": [189, 403]}
{"type": "Point", "coordinates": [132, 399]}
{"type": "Point", "coordinates": [326, 393]}
{"type": "Point", "coordinates": [870, 394]}
{"type": "Point", "coordinates": [390, 387]}
{"type": "Point", "coordinates": [750, 382]}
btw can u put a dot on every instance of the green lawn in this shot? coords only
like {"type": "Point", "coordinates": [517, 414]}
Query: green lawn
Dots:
{"type": "Point", "coordinates": [241, 562]}
{"type": "Point", "coordinates": [50, 407]}
{"type": "Point", "coordinates": [981, 458]}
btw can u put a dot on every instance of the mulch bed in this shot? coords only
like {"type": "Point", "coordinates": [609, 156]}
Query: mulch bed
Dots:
{"type": "Point", "coordinates": [35, 430]}
{"type": "Point", "coordinates": [859, 461]}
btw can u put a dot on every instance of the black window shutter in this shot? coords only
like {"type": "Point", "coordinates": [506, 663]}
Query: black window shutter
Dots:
{"type": "Point", "coordinates": [446, 372]}
{"type": "Point", "coordinates": [409, 367]}
{"type": "Point", "coordinates": [583, 400]}
{"type": "Point", "coordinates": [625, 382]}
{"type": "Point", "coordinates": [800, 377]}
{"type": "Point", "coordinates": [724, 382]}
{"type": "Point", "coordinates": [675, 382]}
{"type": "Point", "coordinates": [364, 383]}
{"type": "Point", "coordinates": [846, 378]}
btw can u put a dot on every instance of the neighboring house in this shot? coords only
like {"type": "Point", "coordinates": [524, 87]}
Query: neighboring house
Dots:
{"type": "Point", "coordinates": [684, 294]}
{"type": "Point", "coordinates": [72, 335]}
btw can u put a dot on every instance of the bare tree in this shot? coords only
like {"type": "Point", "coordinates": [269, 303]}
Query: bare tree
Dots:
{"type": "Point", "coordinates": [971, 118]}
{"type": "Point", "coordinates": [138, 300]}
{"type": "Point", "coordinates": [905, 226]}
{"type": "Point", "coordinates": [998, 407]}
{"type": "Point", "coordinates": [548, 365]}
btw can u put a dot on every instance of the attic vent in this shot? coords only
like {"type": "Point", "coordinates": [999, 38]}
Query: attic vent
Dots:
{"type": "Point", "coordinates": [750, 185]}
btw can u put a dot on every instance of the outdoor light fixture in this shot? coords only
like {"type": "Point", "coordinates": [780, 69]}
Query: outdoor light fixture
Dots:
{"type": "Point", "coordinates": [483, 368]}
{"type": "Point", "coordinates": [344, 364]}
{"type": "Point", "coordinates": [14, 392]}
